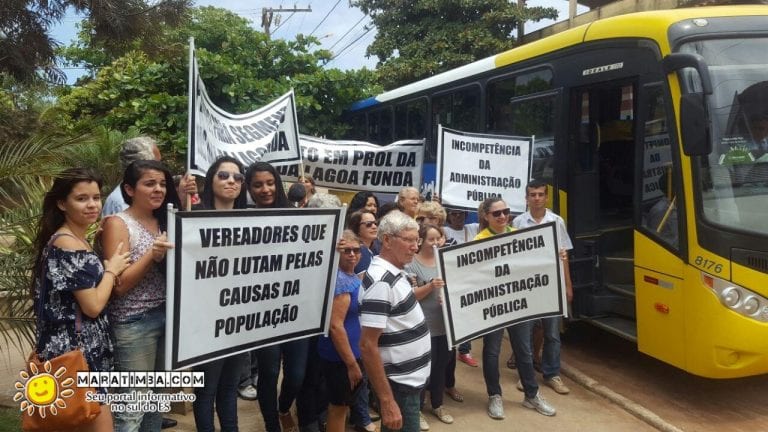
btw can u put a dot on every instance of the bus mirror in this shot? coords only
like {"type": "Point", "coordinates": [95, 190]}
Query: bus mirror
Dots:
{"type": "Point", "coordinates": [694, 125]}
{"type": "Point", "coordinates": [677, 61]}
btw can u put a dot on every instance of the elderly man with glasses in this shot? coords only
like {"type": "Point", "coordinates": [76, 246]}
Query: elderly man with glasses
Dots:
{"type": "Point", "coordinates": [397, 362]}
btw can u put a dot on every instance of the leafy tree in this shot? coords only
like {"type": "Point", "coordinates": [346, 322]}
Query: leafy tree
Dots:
{"type": "Point", "coordinates": [242, 70]}
{"type": "Point", "coordinates": [421, 38]}
{"type": "Point", "coordinates": [26, 46]}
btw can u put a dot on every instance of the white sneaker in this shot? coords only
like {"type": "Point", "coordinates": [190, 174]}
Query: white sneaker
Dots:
{"type": "Point", "coordinates": [539, 404]}
{"type": "Point", "coordinates": [423, 425]}
{"type": "Point", "coordinates": [248, 392]}
{"type": "Point", "coordinates": [495, 407]}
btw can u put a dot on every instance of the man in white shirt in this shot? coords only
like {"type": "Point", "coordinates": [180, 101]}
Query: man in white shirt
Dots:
{"type": "Point", "coordinates": [538, 213]}
{"type": "Point", "coordinates": [395, 341]}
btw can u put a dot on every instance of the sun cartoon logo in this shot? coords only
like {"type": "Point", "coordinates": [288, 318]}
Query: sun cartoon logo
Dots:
{"type": "Point", "coordinates": [42, 389]}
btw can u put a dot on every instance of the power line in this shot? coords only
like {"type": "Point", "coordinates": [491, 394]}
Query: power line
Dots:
{"type": "Point", "coordinates": [324, 18]}
{"type": "Point", "coordinates": [347, 32]}
{"type": "Point", "coordinates": [367, 30]}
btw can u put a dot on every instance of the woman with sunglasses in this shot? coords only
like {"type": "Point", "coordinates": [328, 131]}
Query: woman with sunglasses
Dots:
{"type": "Point", "coordinates": [363, 224]}
{"type": "Point", "coordinates": [266, 189]}
{"type": "Point", "coordinates": [494, 220]}
{"type": "Point", "coordinates": [223, 191]}
{"type": "Point", "coordinates": [340, 352]}
{"type": "Point", "coordinates": [137, 306]}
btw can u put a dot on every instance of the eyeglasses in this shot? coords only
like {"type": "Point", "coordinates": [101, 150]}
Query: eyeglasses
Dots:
{"type": "Point", "coordinates": [498, 213]}
{"type": "Point", "coordinates": [416, 241]}
{"type": "Point", "coordinates": [224, 176]}
{"type": "Point", "coordinates": [347, 251]}
{"type": "Point", "coordinates": [369, 224]}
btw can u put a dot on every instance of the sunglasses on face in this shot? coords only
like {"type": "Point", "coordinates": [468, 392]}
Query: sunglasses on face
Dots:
{"type": "Point", "coordinates": [224, 176]}
{"type": "Point", "coordinates": [347, 251]}
{"type": "Point", "coordinates": [498, 213]}
{"type": "Point", "coordinates": [369, 224]}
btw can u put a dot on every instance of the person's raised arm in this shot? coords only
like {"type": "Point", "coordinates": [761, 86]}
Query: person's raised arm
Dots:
{"type": "Point", "coordinates": [93, 300]}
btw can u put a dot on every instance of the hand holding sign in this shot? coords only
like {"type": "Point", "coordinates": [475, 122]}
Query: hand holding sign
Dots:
{"type": "Point", "coordinates": [160, 246]}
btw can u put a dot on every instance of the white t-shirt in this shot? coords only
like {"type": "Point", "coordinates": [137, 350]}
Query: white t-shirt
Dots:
{"type": "Point", "coordinates": [525, 220]}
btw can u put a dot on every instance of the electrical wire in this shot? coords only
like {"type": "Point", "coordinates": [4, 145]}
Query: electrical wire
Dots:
{"type": "Point", "coordinates": [324, 18]}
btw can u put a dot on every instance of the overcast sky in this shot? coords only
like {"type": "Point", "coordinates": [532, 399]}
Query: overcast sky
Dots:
{"type": "Point", "coordinates": [339, 27]}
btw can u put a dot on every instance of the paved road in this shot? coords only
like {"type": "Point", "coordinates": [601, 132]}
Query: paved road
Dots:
{"type": "Point", "coordinates": [689, 402]}
{"type": "Point", "coordinates": [582, 410]}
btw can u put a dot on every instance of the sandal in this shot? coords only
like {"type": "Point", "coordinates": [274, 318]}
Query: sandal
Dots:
{"type": "Point", "coordinates": [511, 363]}
{"type": "Point", "coordinates": [454, 394]}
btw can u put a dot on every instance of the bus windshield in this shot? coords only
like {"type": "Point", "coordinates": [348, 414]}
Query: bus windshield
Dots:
{"type": "Point", "coordinates": [734, 177]}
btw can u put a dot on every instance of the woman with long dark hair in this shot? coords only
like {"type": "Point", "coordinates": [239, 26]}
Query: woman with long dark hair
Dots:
{"type": "Point", "coordinates": [223, 191]}
{"type": "Point", "coordinates": [71, 286]}
{"type": "Point", "coordinates": [137, 307]}
{"type": "Point", "coordinates": [266, 189]}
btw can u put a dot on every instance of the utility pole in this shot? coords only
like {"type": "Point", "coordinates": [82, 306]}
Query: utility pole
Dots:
{"type": "Point", "coordinates": [267, 14]}
{"type": "Point", "coordinates": [521, 24]}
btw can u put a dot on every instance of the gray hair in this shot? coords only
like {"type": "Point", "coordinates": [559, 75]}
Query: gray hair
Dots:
{"type": "Point", "coordinates": [395, 222]}
{"type": "Point", "coordinates": [135, 149]}
{"type": "Point", "coordinates": [405, 191]}
{"type": "Point", "coordinates": [350, 236]}
{"type": "Point", "coordinates": [324, 200]}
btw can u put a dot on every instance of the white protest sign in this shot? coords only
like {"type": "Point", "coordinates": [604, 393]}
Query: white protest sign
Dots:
{"type": "Point", "coordinates": [657, 157]}
{"type": "Point", "coordinates": [359, 166]}
{"type": "Point", "coordinates": [244, 279]}
{"type": "Point", "coordinates": [472, 167]}
{"type": "Point", "coordinates": [269, 134]}
{"type": "Point", "coordinates": [493, 283]}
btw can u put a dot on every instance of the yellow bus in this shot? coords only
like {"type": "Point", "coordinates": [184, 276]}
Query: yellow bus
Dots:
{"type": "Point", "coordinates": [648, 131]}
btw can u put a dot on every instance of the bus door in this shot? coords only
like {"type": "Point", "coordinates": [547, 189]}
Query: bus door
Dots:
{"type": "Point", "coordinates": [601, 175]}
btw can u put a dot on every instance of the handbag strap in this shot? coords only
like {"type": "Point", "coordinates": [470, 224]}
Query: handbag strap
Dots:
{"type": "Point", "coordinates": [42, 294]}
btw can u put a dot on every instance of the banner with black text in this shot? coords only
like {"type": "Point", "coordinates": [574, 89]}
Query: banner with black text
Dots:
{"type": "Point", "coordinates": [499, 281]}
{"type": "Point", "coordinates": [269, 134]}
{"type": "Point", "coordinates": [359, 166]}
{"type": "Point", "coordinates": [472, 167]}
{"type": "Point", "coordinates": [244, 279]}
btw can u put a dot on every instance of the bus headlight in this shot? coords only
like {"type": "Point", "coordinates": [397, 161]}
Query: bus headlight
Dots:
{"type": "Point", "coordinates": [730, 296]}
{"type": "Point", "coordinates": [738, 298]}
{"type": "Point", "coordinates": [751, 305]}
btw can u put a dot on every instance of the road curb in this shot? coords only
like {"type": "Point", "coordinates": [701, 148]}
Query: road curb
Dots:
{"type": "Point", "coordinates": [628, 405]}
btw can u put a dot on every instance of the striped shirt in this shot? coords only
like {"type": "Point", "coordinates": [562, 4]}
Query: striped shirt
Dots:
{"type": "Point", "coordinates": [388, 303]}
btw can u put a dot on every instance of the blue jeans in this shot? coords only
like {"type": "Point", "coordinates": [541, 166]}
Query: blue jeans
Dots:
{"type": "Point", "coordinates": [358, 412]}
{"type": "Point", "coordinates": [249, 370]}
{"type": "Point", "coordinates": [294, 357]}
{"type": "Point", "coordinates": [221, 378]}
{"type": "Point", "coordinates": [491, 349]}
{"type": "Point", "coordinates": [465, 347]}
{"type": "Point", "coordinates": [409, 404]}
{"type": "Point", "coordinates": [521, 343]}
{"type": "Point", "coordinates": [550, 358]}
{"type": "Point", "coordinates": [139, 345]}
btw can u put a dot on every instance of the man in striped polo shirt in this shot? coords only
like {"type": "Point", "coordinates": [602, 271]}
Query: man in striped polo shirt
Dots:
{"type": "Point", "coordinates": [395, 341]}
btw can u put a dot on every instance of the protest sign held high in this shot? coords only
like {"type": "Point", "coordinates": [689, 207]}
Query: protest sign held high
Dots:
{"type": "Point", "coordinates": [244, 279]}
{"type": "Point", "coordinates": [269, 134]}
{"type": "Point", "coordinates": [359, 166]}
{"type": "Point", "coordinates": [472, 167]}
{"type": "Point", "coordinates": [493, 283]}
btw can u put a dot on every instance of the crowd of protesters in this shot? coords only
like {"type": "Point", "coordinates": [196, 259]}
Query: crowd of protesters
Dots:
{"type": "Point", "coordinates": [386, 348]}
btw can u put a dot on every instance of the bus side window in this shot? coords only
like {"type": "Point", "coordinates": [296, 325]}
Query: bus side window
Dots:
{"type": "Point", "coordinates": [459, 110]}
{"type": "Point", "coordinates": [659, 200]}
{"type": "Point", "coordinates": [536, 116]}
